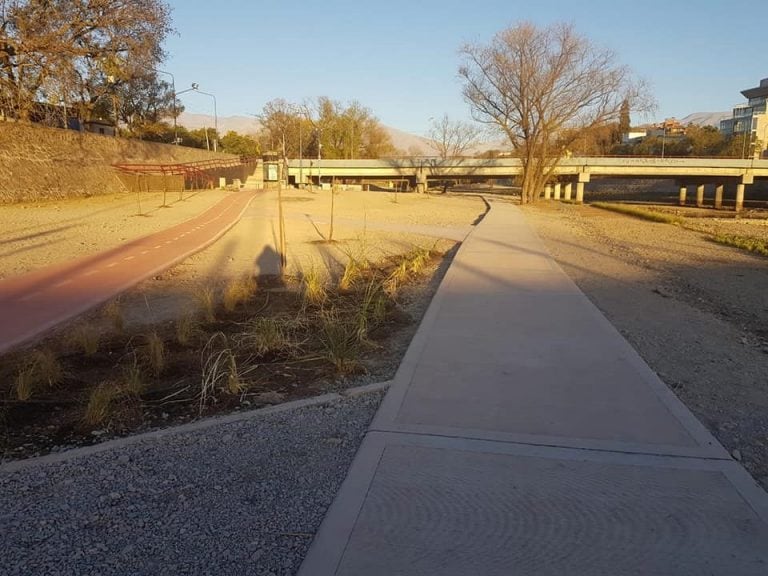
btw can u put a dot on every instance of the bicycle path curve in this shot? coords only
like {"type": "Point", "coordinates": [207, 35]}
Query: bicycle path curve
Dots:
{"type": "Point", "coordinates": [32, 303]}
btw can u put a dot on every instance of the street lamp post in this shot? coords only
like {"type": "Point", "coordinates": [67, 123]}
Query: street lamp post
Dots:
{"type": "Point", "coordinates": [196, 88]}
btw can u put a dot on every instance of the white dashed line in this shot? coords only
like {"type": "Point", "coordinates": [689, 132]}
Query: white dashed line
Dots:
{"type": "Point", "coordinates": [90, 273]}
{"type": "Point", "coordinates": [158, 246]}
{"type": "Point", "coordinates": [62, 283]}
{"type": "Point", "coordinates": [112, 265]}
{"type": "Point", "coordinates": [127, 258]}
{"type": "Point", "coordinates": [144, 252]}
{"type": "Point", "coordinates": [30, 296]}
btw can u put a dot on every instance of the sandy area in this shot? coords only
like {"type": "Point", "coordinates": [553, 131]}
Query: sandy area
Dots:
{"type": "Point", "coordinates": [695, 310]}
{"type": "Point", "coordinates": [34, 235]}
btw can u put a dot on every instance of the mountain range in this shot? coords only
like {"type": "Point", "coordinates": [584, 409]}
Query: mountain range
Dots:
{"type": "Point", "coordinates": [406, 142]}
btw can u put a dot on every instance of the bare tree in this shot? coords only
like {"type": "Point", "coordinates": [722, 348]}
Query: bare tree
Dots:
{"type": "Point", "coordinates": [543, 88]}
{"type": "Point", "coordinates": [452, 138]}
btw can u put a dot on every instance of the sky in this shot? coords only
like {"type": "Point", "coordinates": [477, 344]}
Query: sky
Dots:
{"type": "Point", "coordinates": [400, 58]}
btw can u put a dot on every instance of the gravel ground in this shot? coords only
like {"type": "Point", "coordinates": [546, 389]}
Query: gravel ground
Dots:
{"type": "Point", "coordinates": [236, 498]}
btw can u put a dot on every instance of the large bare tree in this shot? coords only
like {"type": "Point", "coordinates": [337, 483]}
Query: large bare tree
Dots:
{"type": "Point", "coordinates": [543, 88]}
{"type": "Point", "coordinates": [452, 138]}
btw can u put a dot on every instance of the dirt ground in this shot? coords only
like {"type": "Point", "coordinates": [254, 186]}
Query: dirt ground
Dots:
{"type": "Point", "coordinates": [696, 311]}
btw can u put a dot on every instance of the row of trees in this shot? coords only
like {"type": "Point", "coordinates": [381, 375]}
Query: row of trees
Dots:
{"type": "Point", "coordinates": [84, 59]}
{"type": "Point", "coordinates": [334, 129]}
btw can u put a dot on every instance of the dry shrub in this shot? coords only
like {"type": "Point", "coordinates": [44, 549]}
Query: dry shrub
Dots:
{"type": "Point", "coordinates": [101, 403]}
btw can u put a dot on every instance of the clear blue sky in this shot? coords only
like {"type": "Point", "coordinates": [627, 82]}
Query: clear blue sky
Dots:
{"type": "Point", "coordinates": [400, 58]}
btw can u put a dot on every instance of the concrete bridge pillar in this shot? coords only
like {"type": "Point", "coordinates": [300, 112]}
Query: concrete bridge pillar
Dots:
{"type": "Point", "coordinates": [547, 192]}
{"type": "Point", "coordinates": [700, 196]}
{"type": "Point", "coordinates": [739, 197]}
{"type": "Point", "coordinates": [567, 191]}
{"type": "Point", "coordinates": [421, 182]}
{"type": "Point", "coordinates": [683, 194]}
{"type": "Point", "coordinates": [719, 196]}
{"type": "Point", "coordinates": [579, 192]}
{"type": "Point", "coordinates": [557, 191]}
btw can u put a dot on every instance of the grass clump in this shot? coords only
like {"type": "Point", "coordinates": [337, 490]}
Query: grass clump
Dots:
{"type": "Point", "coordinates": [352, 273]}
{"type": "Point", "coordinates": [87, 339]}
{"type": "Point", "coordinates": [266, 335]}
{"type": "Point", "coordinates": [101, 402]}
{"type": "Point", "coordinates": [639, 213]}
{"type": "Point", "coordinates": [42, 369]}
{"type": "Point", "coordinates": [219, 371]}
{"type": "Point", "coordinates": [341, 343]}
{"type": "Point", "coordinates": [756, 245]}
{"type": "Point", "coordinates": [114, 313]}
{"type": "Point", "coordinates": [154, 352]}
{"type": "Point", "coordinates": [239, 290]}
{"type": "Point", "coordinates": [186, 329]}
{"type": "Point", "coordinates": [206, 303]}
{"type": "Point", "coordinates": [313, 291]}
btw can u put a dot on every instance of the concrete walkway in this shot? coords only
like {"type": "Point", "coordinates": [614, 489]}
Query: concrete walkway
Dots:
{"type": "Point", "coordinates": [524, 435]}
{"type": "Point", "coordinates": [35, 302]}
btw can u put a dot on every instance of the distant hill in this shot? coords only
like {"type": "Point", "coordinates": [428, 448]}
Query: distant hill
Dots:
{"type": "Point", "coordinates": [241, 124]}
{"type": "Point", "coordinates": [403, 141]}
{"type": "Point", "coordinates": [705, 118]}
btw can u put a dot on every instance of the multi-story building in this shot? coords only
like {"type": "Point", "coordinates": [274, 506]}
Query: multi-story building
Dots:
{"type": "Point", "coordinates": [750, 119]}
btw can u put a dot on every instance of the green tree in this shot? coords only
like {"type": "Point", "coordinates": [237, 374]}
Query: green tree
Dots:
{"type": "Point", "coordinates": [704, 140]}
{"type": "Point", "coordinates": [535, 85]}
{"type": "Point", "coordinates": [243, 145]}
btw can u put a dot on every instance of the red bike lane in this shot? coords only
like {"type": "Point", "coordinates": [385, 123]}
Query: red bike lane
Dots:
{"type": "Point", "coordinates": [32, 303]}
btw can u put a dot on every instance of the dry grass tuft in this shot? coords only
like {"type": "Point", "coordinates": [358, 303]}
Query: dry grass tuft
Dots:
{"type": "Point", "coordinates": [266, 335]}
{"type": "Point", "coordinates": [352, 273]}
{"type": "Point", "coordinates": [87, 339]}
{"type": "Point", "coordinates": [101, 402]}
{"type": "Point", "coordinates": [114, 313]}
{"type": "Point", "coordinates": [239, 290]}
{"type": "Point", "coordinates": [155, 353]}
{"type": "Point", "coordinates": [186, 329]}
{"type": "Point", "coordinates": [314, 292]}
{"type": "Point", "coordinates": [206, 302]}
{"type": "Point", "coordinates": [340, 341]}
{"type": "Point", "coordinates": [42, 369]}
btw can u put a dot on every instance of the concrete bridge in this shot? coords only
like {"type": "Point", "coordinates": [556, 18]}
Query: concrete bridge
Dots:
{"type": "Point", "coordinates": [571, 172]}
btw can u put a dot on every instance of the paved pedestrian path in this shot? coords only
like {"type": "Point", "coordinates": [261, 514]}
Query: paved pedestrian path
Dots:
{"type": "Point", "coordinates": [524, 435]}
{"type": "Point", "coordinates": [35, 302]}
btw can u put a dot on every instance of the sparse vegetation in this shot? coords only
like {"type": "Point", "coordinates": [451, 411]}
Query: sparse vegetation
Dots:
{"type": "Point", "coordinates": [756, 245]}
{"type": "Point", "coordinates": [272, 346]}
{"type": "Point", "coordinates": [643, 213]}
